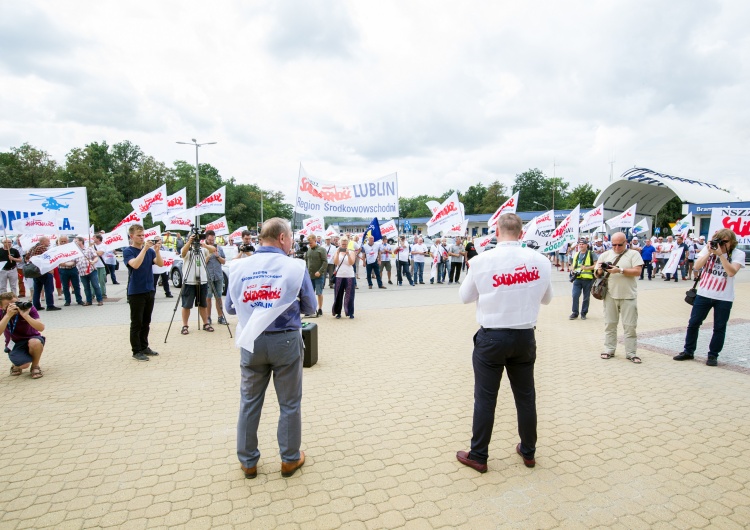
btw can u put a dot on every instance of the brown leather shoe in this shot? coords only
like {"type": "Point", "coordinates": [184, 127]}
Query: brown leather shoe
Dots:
{"type": "Point", "coordinates": [250, 472]}
{"type": "Point", "coordinates": [527, 462]}
{"type": "Point", "coordinates": [463, 457]}
{"type": "Point", "coordinates": [288, 468]}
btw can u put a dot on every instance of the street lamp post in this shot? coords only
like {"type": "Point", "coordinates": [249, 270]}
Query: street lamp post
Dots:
{"type": "Point", "coordinates": [67, 184]}
{"type": "Point", "coordinates": [197, 181]}
{"type": "Point", "coordinates": [540, 204]}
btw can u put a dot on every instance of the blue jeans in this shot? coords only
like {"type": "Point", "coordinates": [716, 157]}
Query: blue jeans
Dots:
{"type": "Point", "coordinates": [419, 271]}
{"type": "Point", "coordinates": [69, 278]}
{"type": "Point", "coordinates": [373, 267]}
{"type": "Point", "coordinates": [701, 307]}
{"type": "Point", "coordinates": [441, 271]}
{"type": "Point", "coordinates": [47, 282]}
{"type": "Point", "coordinates": [279, 354]}
{"type": "Point", "coordinates": [402, 269]}
{"type": "Point", "coordinates": [513, 350]}
{"type": "Point", "coordinates": [91, 281]}
{"type": "Point", "coordinates": [581, 286]}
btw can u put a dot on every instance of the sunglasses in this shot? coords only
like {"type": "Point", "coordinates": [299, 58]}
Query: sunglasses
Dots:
{"type": "Point", "coordinates": [618, 244]}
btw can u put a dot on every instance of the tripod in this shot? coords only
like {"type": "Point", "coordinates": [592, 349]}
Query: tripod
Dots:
{"type": "Point", "coordinates": [194, 259]}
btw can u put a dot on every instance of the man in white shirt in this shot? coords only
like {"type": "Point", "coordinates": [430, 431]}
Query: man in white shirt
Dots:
{"type": "Point", "coordinates": [439, 251]}
{"type": "Point", "coordinates": [508, 284]}
{"type": "Point", "coordinates": [418, 252]}
{"type": "Point", "coordinates": [403, 255]}
{"type": "Point", "coordinates": [331, 245]}
{"type": "Point", "coordinates": [385, 260]}
{"type": "Point", "coordinates": [371, 258]}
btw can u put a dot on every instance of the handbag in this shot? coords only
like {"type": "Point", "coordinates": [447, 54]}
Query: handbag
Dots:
{"type": "Point", "coordinates": [599, 288]}
{"type": "Point", "coordinates": [117, 265]}
{"type": "Point", "coordinates": [692, 293]}
{"type": "Point", "coordinates": [31, 271]}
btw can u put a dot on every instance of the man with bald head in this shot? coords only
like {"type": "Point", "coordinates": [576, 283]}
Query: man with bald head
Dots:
{"type": "Point", "coordinates": [622, 266]}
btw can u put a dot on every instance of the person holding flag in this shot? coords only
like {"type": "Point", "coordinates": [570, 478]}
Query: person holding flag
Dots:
{"type": "Point", "coordinates": [371, 251]}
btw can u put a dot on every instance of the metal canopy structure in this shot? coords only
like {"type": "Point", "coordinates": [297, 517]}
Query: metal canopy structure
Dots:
{"type": "Point", "coordinates": [652, 190]}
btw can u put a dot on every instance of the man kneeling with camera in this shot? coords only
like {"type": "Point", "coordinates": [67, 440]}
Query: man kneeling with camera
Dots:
{"type": "Point", "coordinates": [20, 323]}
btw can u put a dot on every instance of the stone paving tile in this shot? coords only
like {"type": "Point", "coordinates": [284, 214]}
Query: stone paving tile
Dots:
{"type": "Point", "coordinates": [102, 441]}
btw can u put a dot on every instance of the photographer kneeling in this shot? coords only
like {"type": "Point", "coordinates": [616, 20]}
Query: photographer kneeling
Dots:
{"type": "Point", "coordinates": [20, 323]}
{"type": "Point", "coordinates": [720, 261]}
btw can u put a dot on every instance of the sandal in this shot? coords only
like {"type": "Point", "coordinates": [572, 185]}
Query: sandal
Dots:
{"type": "Point", "coordinates": [607, 355]}
{"type": "Point", "coordinates": [634, 359]}
{"type": "Point", "coordinates": [16, 370]}
{"type": "Point", "coordinates": [184, 330]}
{"type": "Point", "coordinates": [36, 373]}
{"type": "Point", "coordinates": [208, 327]}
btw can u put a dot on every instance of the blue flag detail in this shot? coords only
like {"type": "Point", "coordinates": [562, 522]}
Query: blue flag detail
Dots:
{"type": "Point", "coordinates": [374, 230]}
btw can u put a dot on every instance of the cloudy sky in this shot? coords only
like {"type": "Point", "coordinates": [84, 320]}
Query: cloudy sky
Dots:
{"type": "Point", "coordinates": [444, 93]}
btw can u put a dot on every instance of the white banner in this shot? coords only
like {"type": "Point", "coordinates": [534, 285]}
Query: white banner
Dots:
{"type": "Point", "coordinates": [433, 206]}
{"type": "Point", "coordinates": [508, 206]}
{"type": "Point", "coordinates": [70, 205]}
{"type": "Point", "coordinates": [154, 202]}
{"type": "Point", "coordinates": [641, 227]}
{"type": "Point", "coordinates": [458, 230]}
{"type": "Point", "coordinates": [480, 243]}
{"type": "Point", "coordinates": [546, 221]}
{"type": "Point", "coordinates": [169, 258]}
{"type": "Point", "coordinates": [625, 220]}
{"type": "Point", "coordinates": [219, 226]}
{"type": "Point", "coordinates": [28, 241]}
{"type": "Point", "coordinates": [115, 239]}
{"type": "Point", "coordinates": [131, 219]}
{"type": "Point", "coordinates": [56, 255]}
{"type": "Point", "coordinates": [152, 233]}
{"type": "Point", "coordinates": [735, 219]}
{"type": "Point", "coordinates": [593, 218]}
{"type": "Point", "coordinates": [566, 232]}
{"type": "Point", "coordinates": [447, 216]}
{"type": "Point", "coordinates": [39, 224]}
{"type": "Point", "coordinates": [314, 225]}
{"type": "Point", "coordinates": [683, 226]}
{"type": "Point", "coordinates": [176, 203]}
{"type": "Point", "coordinates": [332, 232]}
{"type": "Point", "coordinates": [674, 260]}
{"type": "Point", "coordinates": [214, 203]}
{"type": "Point", "coordinates": [237, 234]}
{"type": "Point", "coordinates": [389, 230]}
{"type": "Point", "coordinates": [181, 221]}
{"type": "Point", "coordinates": [364, 199]}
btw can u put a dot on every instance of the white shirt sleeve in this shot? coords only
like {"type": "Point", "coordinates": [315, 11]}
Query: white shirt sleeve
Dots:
{"type": "Point", "coordinates": [468, 292]}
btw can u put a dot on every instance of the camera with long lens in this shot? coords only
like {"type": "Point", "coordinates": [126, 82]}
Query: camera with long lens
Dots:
{"type": "Point", "coordinates": [714, 244]}
{"type": "Point", "coordinates": [246, 248]}
{"type": "Point", "coordinates": [303, 246]}
{"type": "Point", "coordinates": [24, 305]}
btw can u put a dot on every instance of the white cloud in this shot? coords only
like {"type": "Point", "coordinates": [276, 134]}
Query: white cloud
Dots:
{"type": "Point", "coordinates": [445, 93]}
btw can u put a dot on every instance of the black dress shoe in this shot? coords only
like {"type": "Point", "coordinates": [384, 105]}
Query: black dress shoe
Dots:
{"type": "Point", "coordinates": [463, 457]}
{"type": "Point", "coordinates": [573, 316]}
{"type": "Point", "coordinates": [169, 295]}
{"type": "Point", "coordinates": [54, 308]}
{"type": "Point", "coordinates": [149, 351]}
{"type": "Point", "coordinates": [683, 357]}
{"type": "Point", "coordinates": [712, 361]}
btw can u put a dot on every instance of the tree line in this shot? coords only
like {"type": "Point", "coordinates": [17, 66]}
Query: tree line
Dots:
{"type": "Point", "coordinates": [116, 174]}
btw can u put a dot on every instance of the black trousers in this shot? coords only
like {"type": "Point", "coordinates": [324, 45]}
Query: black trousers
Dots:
{"type": "Point", "coordinates": [455, 272]}
{"type": "Point", "coordinates": [513, 350]}
{"type": "Point", "coordinates": [164, 281]}
{"type": "Point", "coordinates": [141, 307]}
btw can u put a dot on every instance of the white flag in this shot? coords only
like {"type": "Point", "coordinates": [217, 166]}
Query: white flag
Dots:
{"type": "Point", "coordinates": [683, 226]}
{"type": "Point", "coordinates": [480, 243]}
{"type": "Point", "coordinates": [592, 218]}
{"type": "Point", "coordinates": [182, 220]}
{"type": "Point", "coordinates": [131, 219]}
{"type": "Point", "coordinates": [39, 224]}
{"type": "Point", "coordinates": [28, 241]}
{"type": "Point", "coordinates": [508, 206]}
{"type": "Point", "coordinates": [315, 225]}
{"type": "Point", "coordinates": [447, 216]}
{"type": "Point", "coordinates": [566, 232]}
{"type": "Point", "coordinates": [56, 255]}
{"type": "Point", "coordinates": [237, 234]}
{"type": "Point", "coordinates": [115, 239]}
{"type": "Point", "coordinates": [433, 206]}
{"type": "Point", "coordinates": [214, 203]}
{"type": "Point", "coordinates": [169, 258]}
{"type": "Point", "coordinates": [641, 227]}
{"type": "Point", "coordinates": [625, 220]}
{"type": "Point", "coordinates": [152, 233]}
{"type": "Point", "coordinates": [332, 232]}
{"type": "Point", "coordinates": [388, 230]}
{"type": "Point", "coordinates": [220, 226]}
{"type": "Point", "coordinates": [546, 221]}
{"type": "Point", "coordinates": [154, 202]}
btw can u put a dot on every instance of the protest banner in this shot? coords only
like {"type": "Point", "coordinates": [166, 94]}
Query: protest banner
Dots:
{"type": "Point", "coordinates": [546, 221]}
{"type": "Point", "coordinates": [735, 219]}
{"type": "Point", "coordinates": [49, 260]}
{"type": "Point", "coordinates": [315, 225]}
{"type": "Point", "coordinates": [683, 226]}
{"type": "Point", "coordinates": [592, 219]}
{"type": "Point", "coordinates": [347, 199]}
{"type": "Point", "coordinates": [332, 232]}
{"type": "Point", "coordinates": [169, 258]}
{"type": "Point", "coordinates": [182, 220]}
{"type": "Point", "coordinates": [566, 232]}
{"type": "Point", "coordinates": [508, 206]}
{"type": "Point", "coordinates": [70, 205]}
{"type": "Point", "coordinates": [389, 230]}
{"type": "Point", "coordinates": [28, 241]}
{"type": "Point", "coordinates": [115, 239]}
{"type": "Point", "coordinates": [154, 202]}
{"type": "Point", "coordinates": [625, 220]}
{"type": "Point", "coordinates": [447, 216]}
{"type": "Point", "coordinates": [39, 224]}
{"type": "Point", "coordinates": [216, 202]}
{"type": "Point", "coordinates": [640, 228]}
{"type": "Point", "coordinates": [152, 233]}
{"type": "Point", "coordinates": [131, 219]}
{"type": "Point", "coordinates": [220, 226]}
{"type": "Point", "coordinates": [236, 236]}
{"type": "Point", "coordinates": [480, 243]}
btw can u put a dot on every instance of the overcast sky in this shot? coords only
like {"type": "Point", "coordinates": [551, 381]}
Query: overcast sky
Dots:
{"type": "Point", "coordinates": [444, 93]}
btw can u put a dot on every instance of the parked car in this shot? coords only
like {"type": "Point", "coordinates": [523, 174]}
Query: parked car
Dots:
{"type": "Point", "coordinates": [746, 250]}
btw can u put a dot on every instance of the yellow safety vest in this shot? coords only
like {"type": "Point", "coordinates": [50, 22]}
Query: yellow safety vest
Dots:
{"type": "Point", "coordinates": [587, 262]}
{"type": "Point", "coordinates": [170, 242]}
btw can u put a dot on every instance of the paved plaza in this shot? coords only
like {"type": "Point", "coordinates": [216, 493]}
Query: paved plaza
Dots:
{"type": "Point", "coordinates": [102, 441]}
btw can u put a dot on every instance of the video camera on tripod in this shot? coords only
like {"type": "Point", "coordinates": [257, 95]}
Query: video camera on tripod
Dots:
{"type": "Point", "coordinates": [198, 233]}
{"type": "Point", "coordinates": [303, 246]}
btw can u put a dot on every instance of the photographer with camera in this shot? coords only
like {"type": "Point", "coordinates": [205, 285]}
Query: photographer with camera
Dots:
{"type": "Point", "coordinates": [195, 280]}
{"type": "Point", "coordinates": [19, 322]}
{"type": "Point", "coordinates": [720, 261]}
{"type": "Point", "coordinates": [215, 275]}
{"type": "Point", "coordinates": [246, 248]}
{"type": "Point", "coordinates": [582, 277]}
{"type": "Point", "coordinates": [621, 266]}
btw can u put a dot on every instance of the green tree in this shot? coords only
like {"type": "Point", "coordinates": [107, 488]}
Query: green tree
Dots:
{"type": "Point", "coordinates": [410, 207]}
{"type": "Point", "coordinates": [531, 186]}
{"type": "Point", "coordinates": [28, 167]}
{"type": "Point", "coordinates": [496, 195]}
{"type": "Point", "coordinates": [583, 194]}
{"type": "Point", "coordinates": [668, 214]}
{"type": "Point", "coordinates": [473, 198]}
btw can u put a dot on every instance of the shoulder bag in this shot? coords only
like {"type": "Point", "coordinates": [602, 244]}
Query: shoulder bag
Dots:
{"type": "Point", "coordinates": [692, 293]}
{"type": "Point", "coordinates": [599, 288]}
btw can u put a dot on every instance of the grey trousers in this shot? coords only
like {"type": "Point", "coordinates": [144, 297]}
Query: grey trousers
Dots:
{"type": "Point", "coordinates": [9, 277]}
{"type": "Point", "coordinates": [615, 310]}
{"type": "Point", "coordinates": [279, 354]}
